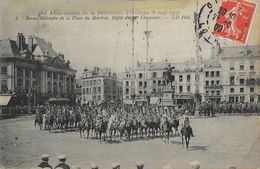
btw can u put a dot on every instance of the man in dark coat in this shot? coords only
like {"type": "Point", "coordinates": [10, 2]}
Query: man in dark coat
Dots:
{"type": "Point", "coordinates": [62, 159]}
{"type": "Point", "coordinates": [45, 160]}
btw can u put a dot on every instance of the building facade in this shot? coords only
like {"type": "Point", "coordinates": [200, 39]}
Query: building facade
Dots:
{"type": "Point", "coordinates": [230, 74]}
{"type": "Point", "coordinates": [35, 68]}
{"type": "Point", "coordinates": [241, 73]}
{"type": "Point", "coordinates": [99, 85]}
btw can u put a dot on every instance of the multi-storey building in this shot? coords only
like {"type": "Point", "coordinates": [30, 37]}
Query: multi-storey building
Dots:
{"type": "Point", "coordinates": [230, 74]}
{"type": "Point", "coordinates": [34, 67]}
{"type": "Point", "coordinates": [78, 91]}
{"type": "Point", "coordinates": [241, 73]}
{"type": "Point", "coordinates": [129, 86]}
{"type": "Point", "coordinates": [99, 85]}
{"type": "Point", "coordinates": [212, 69]}
{"type": "Point", "coordinates": [148, 81]}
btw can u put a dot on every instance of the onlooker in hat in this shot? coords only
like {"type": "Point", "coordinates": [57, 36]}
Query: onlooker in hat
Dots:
{"type": "Point", "coordinates": [62, 159]}
{"type": "Point", "coordinates": [45, 160]}
{"type": "Point", "coordinates": [195, 164]}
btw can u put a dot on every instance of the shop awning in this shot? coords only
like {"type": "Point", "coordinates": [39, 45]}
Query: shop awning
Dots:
{"type": "Point", "coordinates": [4, 100]}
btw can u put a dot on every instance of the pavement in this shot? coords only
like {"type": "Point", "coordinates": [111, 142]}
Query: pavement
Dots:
{"type": "Point", "coordinates": [219, 142]}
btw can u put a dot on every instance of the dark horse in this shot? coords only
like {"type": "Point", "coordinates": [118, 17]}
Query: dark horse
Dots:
{"type": "Point", "coordinates": [101, 128]}
{"type": "Point", "coordinates": [186, 132]}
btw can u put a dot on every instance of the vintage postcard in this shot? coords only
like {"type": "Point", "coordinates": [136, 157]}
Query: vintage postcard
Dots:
{"type": "Point", "coordinates": [146, 84]}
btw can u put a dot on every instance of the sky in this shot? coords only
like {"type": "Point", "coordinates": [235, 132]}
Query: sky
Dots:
{"type": "Point", "coordinates": [108, 43]}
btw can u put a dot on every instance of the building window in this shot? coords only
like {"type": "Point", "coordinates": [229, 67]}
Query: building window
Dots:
{"type": "Point", "coordinates": [140, 92]}
{"type": "Point", "coordinates": [188, 89]}
{"type": "Point", "coordinates": [87, 91]}
{"type": "Point", "coordinates": [154, 82]}
{"type": "Point", "coordinates": [252, 89]}
{"type": "Point", "coordinates": [99, 90]}
{"type": "Point", "coordinates": [232, 90]}
{"type": "Point", "coordinates": [188, 78]}
{"type": "Point", "coordinates": [212, 73]}
{"type": "Point", "coordinates": [84, 91]}
{"type": "Point", "coordinates": [241, 90]}
{"type": "Point", "coordinates": [252, 99]}
{"type": "Point", "coordinates": [252, 67]}
{"type": "Point", "coordinates": [241, 67]}
{"type": "Point", "coordinates": [207, 83]}
{"type": "Point", "coordinates": [4, 87]}
{"type": "Point", "coordinates": [180, 78]}
{"type": "Point", "coordinates": [154, 89]}
{"type": "Point", "coordinates": [212, 92]}
{"type": "Point", "coordinates": [218, 92]}
{"type": "Point", "coordinates": [140, 84]}
{"type": "Point", "coordinates": [140, 75]}
{"type": "Point", "coordinates": [217, 73]}
{"type": "Point", "coordinates": [4, 70]}
{"type": "Point", "coordinates": [207, 74]}
{"type": "Point", "coordinates": [180, 89]}
{"type": "Point", "coordinates": [127, 83]}
{"type": "Point", "coordinates": [127, 91]}
{"type": "Point", "coordinates": [212, 82]}
{"type": "Point", "coordinates": [241, 81]}
{"type": "Point", "coordinates": [207, 92]}
{"type": "Point", "coordinates": [145, 84]}
{"type": "Point", "coordinates": [232, 80]}
{"type": "Point", "coordinates": [55, 76]}
{"type": "Point", "coordinates": [242, 99]}
{"type": "Point", "coordinates": [231, 99]}
{"type": "Point", "coordinates": [159, 82]}
{"type": "Point", "coordinates": [217, 83]}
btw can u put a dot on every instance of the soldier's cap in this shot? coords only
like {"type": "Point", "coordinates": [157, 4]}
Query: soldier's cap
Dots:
{"type": "Point", "coordinates": [195, 163]}
{"type": "Point", "coordinates": [45, 157]}
{"type": "Point", "coordinates": [167, 167]}
{"type": "Point", "coordinates": [139, 163]}
{"type": "Point", "coordinates": [62, 157]}
{"type": "Point", "coordinates": [115, 164]}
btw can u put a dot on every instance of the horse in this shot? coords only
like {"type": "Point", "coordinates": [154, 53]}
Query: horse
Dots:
{"type": "Point", "coordinates": [186, 132]}
{"type": "Point", "coordinates": [112, 126]}
{"type": "Point", "coordinates": [166, 128]}
{"type": "Point", "coordinates": [101, 128]}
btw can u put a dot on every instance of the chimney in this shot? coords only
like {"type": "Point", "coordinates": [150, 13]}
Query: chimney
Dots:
{"type": "Point", "coordinates": [18, 41]}
{"type": "Point", "coordinates": [30, 43]}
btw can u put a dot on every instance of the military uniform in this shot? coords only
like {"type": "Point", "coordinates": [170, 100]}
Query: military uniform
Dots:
{"type": "Point", "coordinates": [45, 164]}
{"type": "Point", "coordinates": [63, 166]}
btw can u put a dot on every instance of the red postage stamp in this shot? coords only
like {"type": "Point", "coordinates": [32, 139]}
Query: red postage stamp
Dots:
{"type": "Point", "coordinates": [234, 20]}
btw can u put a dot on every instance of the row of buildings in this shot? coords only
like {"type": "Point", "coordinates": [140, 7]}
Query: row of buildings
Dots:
{"type": "Point", "coordinates": [231, 74]}
{"type": "Point", "coordinates": [32, 70]}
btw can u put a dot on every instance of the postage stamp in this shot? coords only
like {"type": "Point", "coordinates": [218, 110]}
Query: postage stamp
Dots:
{"type": "Point", "coordinates": [234, 20]}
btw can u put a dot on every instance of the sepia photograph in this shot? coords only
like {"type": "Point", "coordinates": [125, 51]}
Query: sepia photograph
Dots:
{"type": "Point", "coordinates": [130, 84]}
